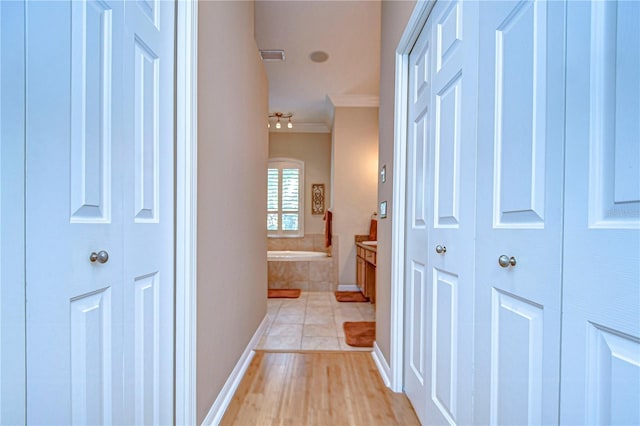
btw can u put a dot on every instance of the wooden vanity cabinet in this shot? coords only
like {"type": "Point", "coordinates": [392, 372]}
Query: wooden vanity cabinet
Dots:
{"type": "Point", "coordinates": [360, 273]}
{"type": "Point", "coordinates": [366, 269]}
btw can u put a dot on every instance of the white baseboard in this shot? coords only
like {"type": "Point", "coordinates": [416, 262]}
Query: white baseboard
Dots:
{"type": "Point", "coordinates": [231, 385]}
{"type": "Point", "coordinates": [348, 287]}
{"type": "Point", "coordinates": [382, 364]}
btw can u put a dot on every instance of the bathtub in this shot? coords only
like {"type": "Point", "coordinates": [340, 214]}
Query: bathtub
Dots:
{"type": "Point", "coordinates": [293, 256]}
{"type": "Point", "coordinates": [306, 270]}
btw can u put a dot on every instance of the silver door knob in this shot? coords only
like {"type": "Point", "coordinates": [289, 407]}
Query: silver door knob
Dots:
{"type": "Point", "coordinates": [100, 257]}
{"type": "Point", "coordinates": [441, 249]}
{"type": "Point", "coordinates": [506, 261]}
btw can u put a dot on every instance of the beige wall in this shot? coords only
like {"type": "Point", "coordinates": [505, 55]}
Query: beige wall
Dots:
{"type": "Point", "coordinates": [232, 159]}
{"type": "Point", "coordinates": [395, 15]}
{"type": "Point", "coordinates": [355, 181]}
{"type": "Point", "coordinates": [315, 150]}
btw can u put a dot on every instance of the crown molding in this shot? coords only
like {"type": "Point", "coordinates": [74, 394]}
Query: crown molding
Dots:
{"type": "Point", "coordinates": [354, 100]}
{"type": "Point", "coordinates": [302, 128]}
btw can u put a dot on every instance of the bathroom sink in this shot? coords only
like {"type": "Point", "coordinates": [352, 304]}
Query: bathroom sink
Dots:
{"type": "Point", "coordinates": [370, 243]}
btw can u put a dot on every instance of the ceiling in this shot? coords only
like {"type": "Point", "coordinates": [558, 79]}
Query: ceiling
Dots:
{"type": "Point", "coordinates": [349, 31]}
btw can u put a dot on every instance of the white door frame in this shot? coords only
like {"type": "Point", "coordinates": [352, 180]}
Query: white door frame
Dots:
{"type": "Point", "coordinates": [417, 20]}
{"type": "Point", "coordinates": [12, 217]}
{"type": "Point", "coordinates": [185, 209]}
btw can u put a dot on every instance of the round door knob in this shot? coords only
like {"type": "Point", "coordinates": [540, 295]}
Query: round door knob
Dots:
{"type": "Point", "coordinates": [441, 249]}
{"type": "Point", "coordinates": [506, 261]}
{"type": "Point", "coordinates": [100, 257]}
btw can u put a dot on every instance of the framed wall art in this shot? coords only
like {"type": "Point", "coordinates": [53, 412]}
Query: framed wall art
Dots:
{"type": "Point", "coordinates": [317, 198]}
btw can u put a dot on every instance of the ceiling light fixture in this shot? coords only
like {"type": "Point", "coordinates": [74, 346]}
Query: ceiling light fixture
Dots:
{"type": "Point", "coordinates": [281, 115]}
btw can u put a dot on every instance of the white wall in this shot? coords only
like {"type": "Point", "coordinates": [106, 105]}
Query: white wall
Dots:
{"type": "Point", "coordinates": [395, 15]}
{"type": "Point", "coordinates": [232, 161]}
{"type": "Point", "coordinates": [315, 150]}
{"type": "Point", "coordinates": [355, 182]}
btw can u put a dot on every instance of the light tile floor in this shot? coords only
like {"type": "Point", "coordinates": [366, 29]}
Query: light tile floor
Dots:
{"type": "Point", "coordinates": [312, 322]}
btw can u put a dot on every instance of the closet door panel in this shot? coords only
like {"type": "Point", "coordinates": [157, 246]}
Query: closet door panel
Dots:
{"type": "Point", "coordinates": [450, 249]}
{"type": "Point", "coordinates": [416, 296]}
{"type": "Point", "coordinates": [517, 336]}
{"type": "Point", "coordinates": [519, 212]}
{"type": "Point", "coordinates": [520, 120]}
{"type": "Point", "coordinates": [601, 276]}
{"type": "Point", "coordinates": [441, 215]}
{"type": "Point", "coordinates": [73, 209]}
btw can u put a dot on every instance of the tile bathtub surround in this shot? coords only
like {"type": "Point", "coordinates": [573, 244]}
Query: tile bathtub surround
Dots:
{"type": "Point", "coordinates": [310, 242]}
{"type": "Point", "coordinates": [318, 275]}
{"type": "Point", "coordinates": [312, 322]}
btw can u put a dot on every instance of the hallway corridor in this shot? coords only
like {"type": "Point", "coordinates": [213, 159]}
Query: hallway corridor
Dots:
{"type": "Point", "coordinates": [316, 388]}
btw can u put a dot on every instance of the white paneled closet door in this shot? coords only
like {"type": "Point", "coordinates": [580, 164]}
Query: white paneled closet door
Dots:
{"type": "Point", "coordinates": [519, 212]}
{"type": "Point", "coordinates": [148, 211]}
{"type": "Point", "coordinates": [601, 278]}
{"type": "Point", "coordinates": [441, 215]}
{"type": "Point", "coordinates": [451, 230]}
{"type": "Point", "coordinates": [74, 205]}
{"type": "Point", "coordinates": [418, 217]}
{"type": "Point", "coordinates": [99, 179]}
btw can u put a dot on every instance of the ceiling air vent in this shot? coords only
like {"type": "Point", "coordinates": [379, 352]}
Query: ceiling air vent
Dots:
{"type": "Point", "coordinates": [272, 55]}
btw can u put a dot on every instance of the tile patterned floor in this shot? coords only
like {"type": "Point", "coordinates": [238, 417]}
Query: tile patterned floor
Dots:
{"type": "Point", "coordinates": [311, 322]}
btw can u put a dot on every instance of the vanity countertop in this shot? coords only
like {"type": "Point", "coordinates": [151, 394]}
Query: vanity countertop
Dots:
{"type": "Point", "coordinates": [368, 245]}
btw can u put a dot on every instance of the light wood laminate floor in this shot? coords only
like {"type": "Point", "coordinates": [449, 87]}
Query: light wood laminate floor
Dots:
{"type": "Point", "coordinates": [316, 388]}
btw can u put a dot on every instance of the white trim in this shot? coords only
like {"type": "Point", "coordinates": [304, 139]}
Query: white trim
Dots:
{"type": "Point", "coordinates": [186, 210]}
{"type": "Point", "coordinates": [412, 31]}
{"type": "Point", "coordinates": [348, 287]}
{"type": "Point", "coordinates": [398, 226]}
{"type": "Point", "coordinates": [220, 405]}
{"type": "Point", "coordinates": [354, 100]}
{"type": "Point", "coordinates": [382, 364]}
{"type": "Point", "coordinates": [13, 373]}
{"type": "Point", "coordinates": [302, 128]}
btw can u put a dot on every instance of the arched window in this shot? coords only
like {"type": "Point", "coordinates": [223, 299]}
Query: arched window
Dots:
{"type": "Point", "coordinates": [285, 205]}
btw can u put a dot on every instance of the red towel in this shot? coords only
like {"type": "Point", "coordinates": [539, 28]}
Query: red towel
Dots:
{"type": "Point", "coordinates": [373, 230]}
{"type": "Point", "coordinates": [328, 217]}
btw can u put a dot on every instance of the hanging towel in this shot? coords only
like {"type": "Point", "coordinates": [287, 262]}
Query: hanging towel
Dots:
{"type": "Point", "coordinates": [373, 230]}
{"type": "Point", "coordinates": [328, 217]}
